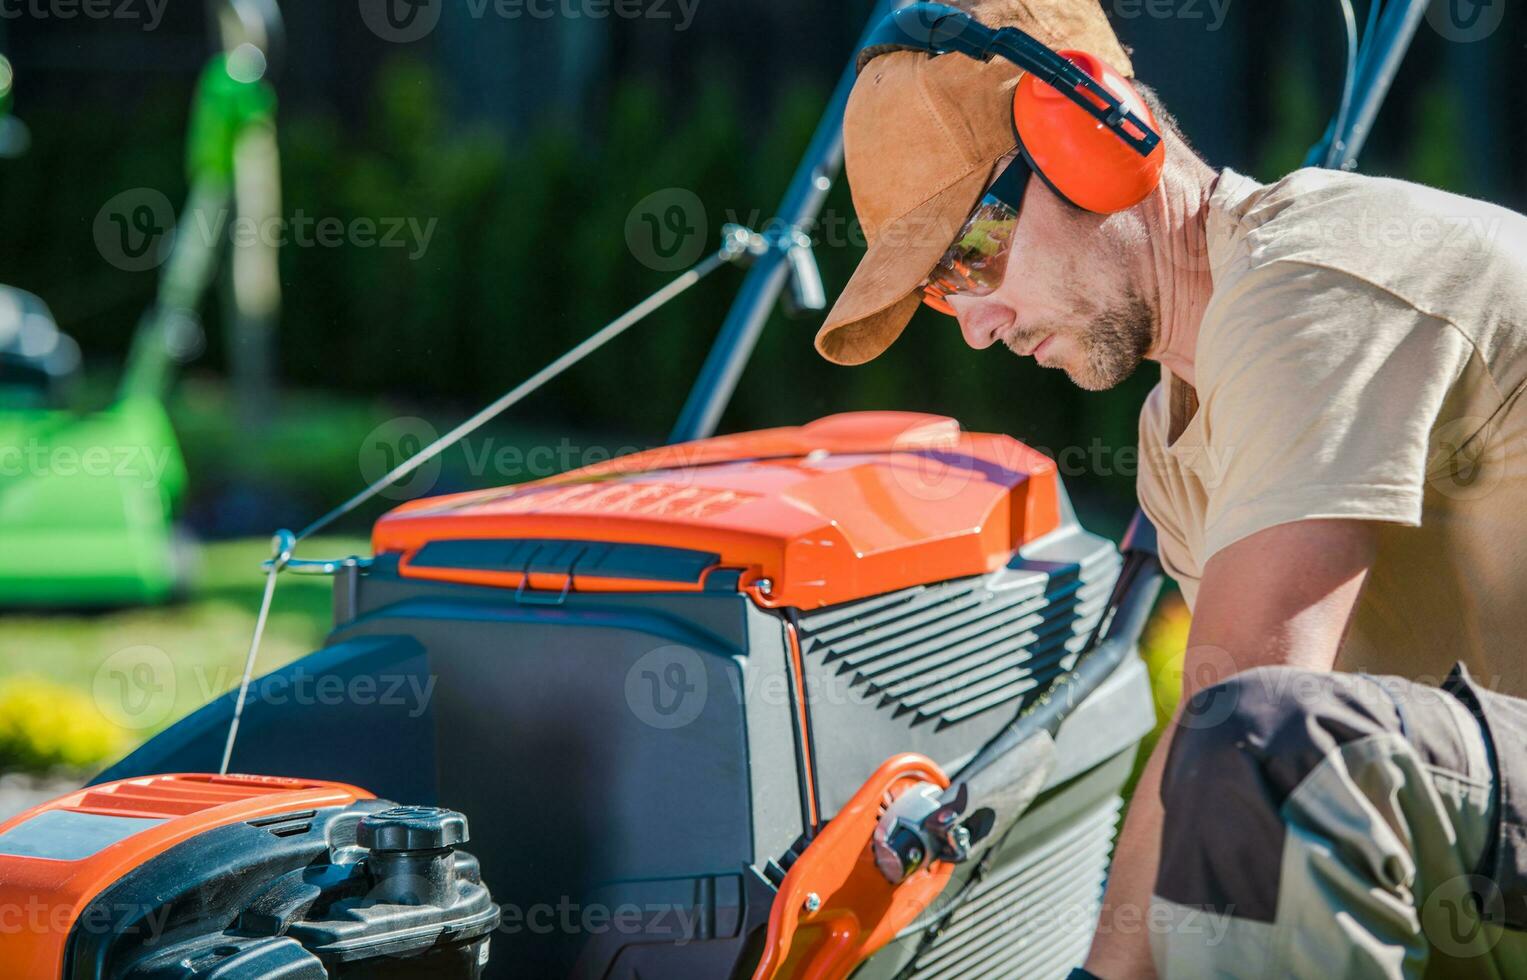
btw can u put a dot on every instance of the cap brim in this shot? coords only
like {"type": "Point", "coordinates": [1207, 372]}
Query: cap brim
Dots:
{"type": "Point", "coordinates": [886, 290]}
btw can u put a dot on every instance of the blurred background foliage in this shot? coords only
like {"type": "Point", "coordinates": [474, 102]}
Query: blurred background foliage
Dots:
{"type": "Point", "coordinates": [46, 726]}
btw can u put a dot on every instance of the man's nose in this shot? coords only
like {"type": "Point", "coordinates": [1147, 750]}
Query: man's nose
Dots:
{"type": "Point", "coordinates": [983, 319]}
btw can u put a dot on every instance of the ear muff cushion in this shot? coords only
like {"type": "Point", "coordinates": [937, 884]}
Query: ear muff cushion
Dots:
{"type": "Point", "coordinates": [1080, 157]}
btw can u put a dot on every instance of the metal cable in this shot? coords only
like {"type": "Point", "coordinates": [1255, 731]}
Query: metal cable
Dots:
{"type": "Point", "coordinates": [738, 242]}
{"type": "Point", "coordinates": [254, 649]}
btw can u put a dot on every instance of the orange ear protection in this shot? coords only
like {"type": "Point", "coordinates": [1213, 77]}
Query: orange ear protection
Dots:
{"type": "Point", "coordinates": [1081, 125]}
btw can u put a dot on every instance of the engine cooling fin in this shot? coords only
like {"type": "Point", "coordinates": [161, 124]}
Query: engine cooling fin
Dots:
{"type": "Point", "coordinates": [952, 650]}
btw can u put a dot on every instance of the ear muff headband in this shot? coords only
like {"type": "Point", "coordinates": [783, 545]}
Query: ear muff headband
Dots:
{"type": "Point", "coordinates": [1103, 170]}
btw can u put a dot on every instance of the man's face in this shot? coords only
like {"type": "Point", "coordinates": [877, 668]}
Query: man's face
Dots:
{"type": "Point", "coordinates": [1069, 298]}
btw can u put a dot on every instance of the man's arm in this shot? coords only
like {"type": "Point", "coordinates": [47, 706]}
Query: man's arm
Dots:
{"type": "Point", "coordinates": [1281, 596]}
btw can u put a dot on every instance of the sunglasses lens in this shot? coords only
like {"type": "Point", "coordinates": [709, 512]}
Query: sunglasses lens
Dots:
{"type": "Point", "coordinates": [975, 263]}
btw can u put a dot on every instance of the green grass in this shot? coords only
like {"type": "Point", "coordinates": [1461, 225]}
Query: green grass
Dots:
{"type": "Point", "coordinates": [142, 669]}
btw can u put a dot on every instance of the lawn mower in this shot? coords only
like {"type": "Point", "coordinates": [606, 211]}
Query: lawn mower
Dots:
{"type": "Point", "coordinates": [858, 696]}
{"type": "Point", "coordinates": [88, 498]}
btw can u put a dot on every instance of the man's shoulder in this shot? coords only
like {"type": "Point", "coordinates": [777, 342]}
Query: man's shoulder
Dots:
{"type": "Point", "coordinates": [1314, 196]}
{"type": "Point", "coordinates": [1321, 253]}
{"type": "Point", "coordinates": [1424, 245]}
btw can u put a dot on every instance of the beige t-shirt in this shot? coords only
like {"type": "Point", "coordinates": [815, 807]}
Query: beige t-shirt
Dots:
{"type": "Point", "coordinates": [1363, 356]}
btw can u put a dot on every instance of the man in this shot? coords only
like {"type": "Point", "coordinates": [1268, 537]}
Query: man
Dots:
{"type": "Point", "coordinates": [1336, 463]}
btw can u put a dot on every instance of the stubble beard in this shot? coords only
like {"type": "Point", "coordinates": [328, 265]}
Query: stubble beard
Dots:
{"type": "Point", "coordinates": [1114, 343]}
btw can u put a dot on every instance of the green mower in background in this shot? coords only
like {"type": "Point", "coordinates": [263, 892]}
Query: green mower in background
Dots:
{"type": "Point", "coordinates": [88, 498]}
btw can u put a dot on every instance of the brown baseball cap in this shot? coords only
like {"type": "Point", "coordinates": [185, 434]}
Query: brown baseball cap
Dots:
{"type": "Point", "coordinates": [922, 137]}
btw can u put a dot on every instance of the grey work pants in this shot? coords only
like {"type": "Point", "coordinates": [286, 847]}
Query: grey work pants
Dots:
{"type": "Point", "coordinates": [1329, 825]}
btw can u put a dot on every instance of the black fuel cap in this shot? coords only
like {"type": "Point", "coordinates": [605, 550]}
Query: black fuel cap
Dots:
{"type": "Point", "coordinates": [411, 828]}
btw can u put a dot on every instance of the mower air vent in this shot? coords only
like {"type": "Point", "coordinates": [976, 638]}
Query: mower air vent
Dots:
{"type": "Point", "coordinates": [1033, 918]}
{"type": "Point", "coordinates": [950, 651]}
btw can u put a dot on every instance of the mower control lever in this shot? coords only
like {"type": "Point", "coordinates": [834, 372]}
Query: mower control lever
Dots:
{"type": "Point", "coordinates": [946, 824]}
{"type": "Point", "coordinates": [920, 825]}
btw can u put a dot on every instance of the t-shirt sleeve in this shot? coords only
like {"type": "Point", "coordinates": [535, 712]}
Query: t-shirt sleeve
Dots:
{"type": "Point", "coordinates": [1319, 392]}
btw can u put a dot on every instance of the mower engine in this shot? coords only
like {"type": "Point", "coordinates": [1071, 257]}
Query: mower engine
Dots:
{"type": "Point", "coordinates": [239, 878]}
{"type": "Point", "coordinates": [705, 704]}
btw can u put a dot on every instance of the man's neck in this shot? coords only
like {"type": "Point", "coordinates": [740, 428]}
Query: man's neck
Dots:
{"type": "Point", "coordinates": [1179, 265]}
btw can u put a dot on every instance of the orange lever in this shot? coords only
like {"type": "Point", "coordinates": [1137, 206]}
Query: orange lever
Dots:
{"type": "Point", "coordinates": [835, 908]}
